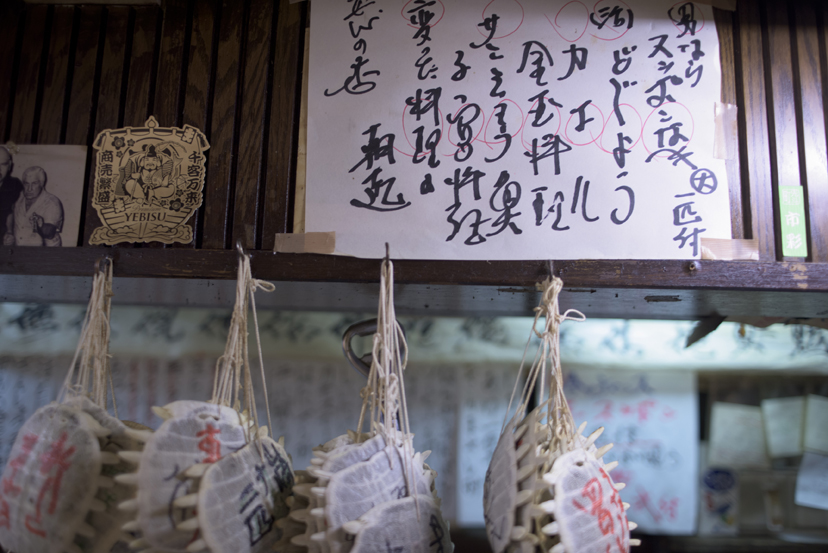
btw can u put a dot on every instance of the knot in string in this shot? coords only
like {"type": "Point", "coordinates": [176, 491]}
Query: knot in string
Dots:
{"type": "Point", "coordinates": [89, 373]}
{"type": "Point", "coordinates": [386, 400]}
{"type": "Point", "coordinates": [232, 377]}
{"type": "Point", "coordinates": [256, 284]}
{"type": "Point", "coordinates": [547, 366]}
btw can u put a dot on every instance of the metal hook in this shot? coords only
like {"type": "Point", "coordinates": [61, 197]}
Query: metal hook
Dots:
{"type": "Point", "coordinates": [551, 267]}
{"type": "Point", "coordinates": [100, 264]}
{"type": "Point", "coordinates": [362, 328]}
{"type": "Point", "coordinates": [239, 248]}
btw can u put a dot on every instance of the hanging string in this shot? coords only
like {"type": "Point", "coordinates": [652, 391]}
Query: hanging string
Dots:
{"type": "Point", "coordinates": [232, 381]}
{"type": "Point", "coordinates": [90, 373]}
{"type": "Point", "coordinates": [384, 395]}
{"type": "Point", "coordinates": [547, 364]}
{"type": "Point", "coordinates": [256, 284]}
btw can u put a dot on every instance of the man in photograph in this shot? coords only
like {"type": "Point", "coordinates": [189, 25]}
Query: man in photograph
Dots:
{"type": "Point", "coordinates": [10, 188]}
{"type": "Point", "coordinates": [37, 217]}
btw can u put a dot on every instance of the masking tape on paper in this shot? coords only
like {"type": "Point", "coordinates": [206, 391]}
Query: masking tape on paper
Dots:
{"type": "Point", "coordinates": [307, 242]}
{"type": "Point", "coordinates": [730, 249]}
{"type": "Point", "coordinates": [728, 5]}
{"type": "Point", "coordinates": [725, 138]}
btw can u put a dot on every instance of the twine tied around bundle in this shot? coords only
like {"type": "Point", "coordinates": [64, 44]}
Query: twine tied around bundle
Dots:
{"type": "Point", "coordinates": [89, 373]}
{"type": "Point", "coordinates": [232, 377]}
{"type": "Point", "coordinates": [383, 398]}
{"type": "Point", "coordinates": [547, 365]}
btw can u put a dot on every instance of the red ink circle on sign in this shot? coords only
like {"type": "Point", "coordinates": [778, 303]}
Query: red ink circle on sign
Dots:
{"type": "Point", "coordinates": [556, 24]}
{"type": "Point", "coordinates": [492, 116]}
{"type": "Point", "coordinates": [526, 119]}
{"type": "Point", "coordinates": [603, 123]}
{"type": "Point", "coordinates": [476, 137]}
{"type": "Point", "coordinates": [595, 10]}
{"type": "Point", "coordinates": [670, 11]}
{"type": "Point", "coordinates": [600, 143]}
{"type": "Point", "coordinates": [405, 133]}
{"type": "Point", "coordinates": [519, 23]}
{"type": "Point", "coordinates": [659, 108]}
{"type": "Point", "coordinates": [432, 25]}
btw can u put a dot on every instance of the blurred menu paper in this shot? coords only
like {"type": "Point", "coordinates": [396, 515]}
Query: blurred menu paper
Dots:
{"type": "Point", "coordinates": [506, 129]}
{"type": "Point", "coordinates": [816, 424]}
{"type": "Point", "coordinates": [652, 418]}
{"type": "Point", "coordinates": [783, 420]}
{"type": "Point", "coordinates": [812, 481]}
{"type": "Point", "coordinates": [737, 437]}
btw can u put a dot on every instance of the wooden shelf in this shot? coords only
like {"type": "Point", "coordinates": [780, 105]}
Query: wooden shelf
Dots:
{"type": "Point", "coordinates": [608, 288]}
{"type": "Point", "coordinates": [614, 274]}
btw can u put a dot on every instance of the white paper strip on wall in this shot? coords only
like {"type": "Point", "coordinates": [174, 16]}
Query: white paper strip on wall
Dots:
{"type": "Point", "coordinates": [652, 418]}
{"type": "Point", "coordinates": [816, 423]}
{"type": "Point", "coordinates": [515, 130]}
{"type": "Point", "coordinates": [783, 419]}
{"type": "Point", "coordinates": [812, 481]}
{"type": "Point", "coordinates": [737, 437]}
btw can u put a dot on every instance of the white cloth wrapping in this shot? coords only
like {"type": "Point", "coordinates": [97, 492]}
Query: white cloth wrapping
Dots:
{"type": "Point", "coordinates": [107, 523]}
{"type": "Point", "coordinates": [588, 509]}
{"type": "Point", "coordinates": [241, 497]}
{"type": "Point", "coordinates": [346, 455]}
{"type": "Point", "coordinates": [500, 491]}
{"type": "Point", "coordinates": [49, 481]}
{"type": "Point", "coordinates": [179, 443]}
{"type": "Point", "coordinates": [395, 526]}
{"type": "Point", "coordinates": [354, 490]}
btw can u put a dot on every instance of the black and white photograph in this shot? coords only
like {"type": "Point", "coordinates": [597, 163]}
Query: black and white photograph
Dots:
{"type": "Point", "coordinates": [41, 192]}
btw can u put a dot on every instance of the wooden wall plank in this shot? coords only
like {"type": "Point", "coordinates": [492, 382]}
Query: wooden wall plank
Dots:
{"type": "Point", "coordinates": [284, 116]}
{"type": "Point", "coordinates": [253, 131]}
{"type": "Point", "coordinates": [79, 125]}
{"type": "Point", "coordinates": [813, 128]}
{"type": "Point", "coordinates": [781, 100]}
{"type": "Point", "coordinates": [170, 73]}
{"type": "Point", "coordinates": [753, 128]}
{"type": "Point", "coordinates": [109, 96]}
{"type": "Point", "coordinates": [198, 96]}
{"type": "Point", "coordinates": [54, 79]}
{"type": "Point", "coordinates": [136, 108]}
{"type": "Point", "coordinates": [31, 55]}
{"type": "Point", "coordinates": [170, 77]}
{"type": "Point", "coordinates": [80, 119]}
{"type": "Point", "coordinates": [112, 69]}
{"type": "Point", "coordinates": [724, 27]}
{"type": "Point", "coordinates": [223, 146]}
{"type": "Point", "coordinates": [10, 16]}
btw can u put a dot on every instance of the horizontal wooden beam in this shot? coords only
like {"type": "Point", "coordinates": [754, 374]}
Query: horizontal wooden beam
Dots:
{"type": "Point", "coordinates": [598, 274]}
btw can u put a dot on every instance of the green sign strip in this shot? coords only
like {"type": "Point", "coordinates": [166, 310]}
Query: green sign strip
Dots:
{"type": "Point", "coordinates": [792, 221]}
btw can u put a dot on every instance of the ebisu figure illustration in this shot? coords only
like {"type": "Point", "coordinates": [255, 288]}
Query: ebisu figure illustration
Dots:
{"type": "Point", "coordinates": [151, 182]}
{"type": "Point", "coordinates": [148, 182]}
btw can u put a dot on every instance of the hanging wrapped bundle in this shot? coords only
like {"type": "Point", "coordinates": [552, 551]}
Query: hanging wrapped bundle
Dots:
{"type": "Point", "coordinates": [546, 489]}
{"type": "Point", "coordinates": [58, 492]}
{"type": "Point", "coordinates": [210, 478]}
{"type": "Point", "coordinates": [372, 492]}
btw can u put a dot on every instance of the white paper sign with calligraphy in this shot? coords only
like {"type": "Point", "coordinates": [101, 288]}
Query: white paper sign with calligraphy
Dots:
{"type": "Point", "coordinates": [652, 418]}
{"type": "Point", "coordinates": [508, 129]}
{"type": "Point", "coordinates": [148, 182]}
